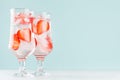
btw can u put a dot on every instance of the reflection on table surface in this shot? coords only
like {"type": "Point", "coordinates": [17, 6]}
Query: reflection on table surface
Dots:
{"type": "Point", "coordinates": [65, 75]}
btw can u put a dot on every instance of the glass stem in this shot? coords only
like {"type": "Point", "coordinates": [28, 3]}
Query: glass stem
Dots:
{"type": "Point", "coordinates": [21, 66]}
{"type": "Point", "coordinates": [40, 66]}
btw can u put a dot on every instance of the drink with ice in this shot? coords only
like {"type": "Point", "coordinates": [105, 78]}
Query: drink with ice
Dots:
{"type": "Point", "coordinates": [21, 38]}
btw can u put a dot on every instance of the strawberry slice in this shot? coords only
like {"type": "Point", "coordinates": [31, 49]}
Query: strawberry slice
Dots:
{"type": "Point", "coordinates": [35, 42]}
{"type": "Point", "coordinates": [46, 47]}
{"type": "Point", "coordinates": [40, 27]}
{"type": "Point", "coordinates": [16, 42]}
{"type": "Point", "coordinates": [34, 29]}
{"type": "Point", "coordinates": [46, 27]}
{"type": "Point", "coordinates": [50, 45]}
{"type": "Point", "coordinates": [31, 19]}
{"type": "Point", "coordinates": [24, 34]}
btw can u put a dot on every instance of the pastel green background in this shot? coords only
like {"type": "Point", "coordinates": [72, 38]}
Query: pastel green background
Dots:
{"type": "Point", "coordinates": [86, 34]}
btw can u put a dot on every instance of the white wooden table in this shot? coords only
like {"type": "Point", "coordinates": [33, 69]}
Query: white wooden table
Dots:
{"type": "Point", "coordinates": [66, 75]}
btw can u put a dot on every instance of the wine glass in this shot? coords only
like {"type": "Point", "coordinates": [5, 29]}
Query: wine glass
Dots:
{"type": "Point", "coordinates": [21, 40]}
{"type": "Point", "coordinates": [41, 28]}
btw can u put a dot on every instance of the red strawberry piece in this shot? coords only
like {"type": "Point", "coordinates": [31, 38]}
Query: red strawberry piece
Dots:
{"type": "Point", "coordinates": [16, 42]}
{"type": "Point", "coordinates": [50, 45]}
{"type": "Point", "coordinates": [34, 29]}
{"type": "Point", "coordinates": [24, 34]}
{"type": "Point", "coordinates": [35, 42]}
{"type": "Point", "coordinates": [40, 27]}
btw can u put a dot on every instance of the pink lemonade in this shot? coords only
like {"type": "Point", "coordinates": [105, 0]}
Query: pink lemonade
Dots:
{"type": "Point", "coordinates": [21, 40]}
{"type": "Point", "coordinates": [41, 29]}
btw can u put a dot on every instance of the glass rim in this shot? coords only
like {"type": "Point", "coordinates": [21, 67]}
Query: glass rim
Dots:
{"type": "Point", "coordinates": [18, 8]}
{"type": "Point", "coordinates": [15, 9]}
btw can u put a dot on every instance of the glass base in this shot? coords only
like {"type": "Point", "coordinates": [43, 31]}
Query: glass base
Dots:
{"type": "Point", "coordinates": [40, 73]}
{"type": "Point", "coordinates": [22, 70]}
{"type": "Point", "coordinates": [23, 74]}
